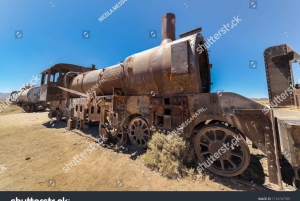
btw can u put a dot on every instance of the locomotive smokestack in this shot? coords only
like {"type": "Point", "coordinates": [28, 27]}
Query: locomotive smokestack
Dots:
{"type": "Point", "coordinates": [167, 28]}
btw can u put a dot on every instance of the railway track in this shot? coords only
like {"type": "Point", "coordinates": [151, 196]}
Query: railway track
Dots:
{"type": "Point", "coordinates": [252, 184]}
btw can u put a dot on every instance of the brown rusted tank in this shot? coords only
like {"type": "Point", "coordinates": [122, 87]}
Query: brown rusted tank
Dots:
{"type": "Point", "coordinates": [31, 95]}
{"type": "Point", "coordinates": [174, 67]}
{"type": "Point", "coordinates": [28, 98]}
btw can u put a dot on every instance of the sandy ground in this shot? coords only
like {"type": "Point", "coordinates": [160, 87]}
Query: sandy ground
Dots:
{"type": "Point", "coordinates": [34, 151]}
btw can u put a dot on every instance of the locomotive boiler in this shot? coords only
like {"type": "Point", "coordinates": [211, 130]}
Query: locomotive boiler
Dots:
{"type": "Point", "coordinates": [163, 70]}
{"type": "Point", "coordinates": [160, 88]}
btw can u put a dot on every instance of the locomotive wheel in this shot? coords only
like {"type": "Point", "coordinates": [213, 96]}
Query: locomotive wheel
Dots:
{"type": "Point", "coordinates": [121, 137]}
{"type": "Point", "coordinates": [26, 108]}
{"type": "Point", "coordinates": [59, 115]}
{"type": "Point", "coordinates": [231, 160]}
{"type": "Point", "coordinates": [104, 135]}
{"type": "Point", "coordinates": [31, 108]}
{"type": "Point", "coordinates": [14, 96]}
{"type": "Point", "coordinates": [138, 132]}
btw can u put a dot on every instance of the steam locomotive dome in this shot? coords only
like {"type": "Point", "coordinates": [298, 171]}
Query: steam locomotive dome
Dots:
{"type": "Point", "coordinates": [174, 67]}
{"type": "Point", "coordinates": [31, 95]}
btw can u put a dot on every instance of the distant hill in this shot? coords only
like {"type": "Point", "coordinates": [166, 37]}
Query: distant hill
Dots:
{"type": "Point", "coordinates": [260, 99]}
{"type": "Point", "coordinates": [4, 95]}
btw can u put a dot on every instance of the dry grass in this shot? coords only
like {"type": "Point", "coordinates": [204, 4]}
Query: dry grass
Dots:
{"type": "Point", "coordinates": [11, 109]}
{"type": "Point", "coordinates": [263, 102]}
{"type": "Point", "coordinates": [169, 156]}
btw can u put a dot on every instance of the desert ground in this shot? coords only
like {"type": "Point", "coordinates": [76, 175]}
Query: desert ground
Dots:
{"type": "Point", "coordinates": [34, 151]}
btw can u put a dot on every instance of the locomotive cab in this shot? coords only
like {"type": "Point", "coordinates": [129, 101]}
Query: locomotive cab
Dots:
{"type": "Point", "coordinates": [53, 78]}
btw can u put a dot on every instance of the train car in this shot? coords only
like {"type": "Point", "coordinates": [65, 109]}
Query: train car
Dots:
{"type": "Point", "coordinates": [167, 88]}
{"type": "Point", "coordinates": [28, 98]}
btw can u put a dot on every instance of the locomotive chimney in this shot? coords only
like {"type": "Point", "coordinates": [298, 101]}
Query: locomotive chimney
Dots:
{"type": "Point", "coordinates": [167, 28]}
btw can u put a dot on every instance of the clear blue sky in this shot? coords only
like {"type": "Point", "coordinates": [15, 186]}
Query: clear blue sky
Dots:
{"type": "Point", "coordinates": [52, 33]}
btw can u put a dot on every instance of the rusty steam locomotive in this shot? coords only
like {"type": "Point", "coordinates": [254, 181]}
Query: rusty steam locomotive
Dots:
{"type": "Point", "coordinates": [160, 88]}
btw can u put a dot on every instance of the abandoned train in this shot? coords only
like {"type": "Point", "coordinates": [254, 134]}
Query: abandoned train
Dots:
{"type": "Point", "coordinates": [28, 98]}
{"type": "Point", "coordinates": [162, 87]}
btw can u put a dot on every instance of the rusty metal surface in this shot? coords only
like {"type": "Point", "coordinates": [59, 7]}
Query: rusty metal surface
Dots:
{"type": "Point", "coordinates": [31, 95]}
{"type": "Point", "coordinates": [157, 74]}
{"type": "Point", "coordinates": [55, 76]}
{"type": "Point", "coordinates": [288, 122]}
{"type": "Point", "coordinates": [297, 98]}
{"type": "Point", "coordinates": [28, 98]}
{"type": "Point", "coordinates": [194, 31]}
{"type": "Point", "coordinates": [278, 64]}
{"type": "Point", "coordinates": [73, 91]}
{"type": "Point", "coordinates": [289, 131]}
{"type": "Point", "coordinates": [174, 67]}
{"type": "Point", "coordinates": [168, 28]}
{"type": "Point", "coordinates": [180, 59]}
{"type": "Point", "coordinates": [161, 88]}
{"type": "Point", "coordinates": [272, 149]}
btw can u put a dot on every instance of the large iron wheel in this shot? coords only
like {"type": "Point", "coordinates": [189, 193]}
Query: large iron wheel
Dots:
{"type": "Point", "coordinates": [231, 160]}
{"type": "Point", "coordinates": [138, 132]}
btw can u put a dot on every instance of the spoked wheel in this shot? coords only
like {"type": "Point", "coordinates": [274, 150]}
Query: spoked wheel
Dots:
{"type": "Point", "coordinates": [138, 132]}
{"type": "Point", "coordinates": [222, 150]}
{"type": "Point", "coordinates": [104, 135]}
{"type": "Point", "coordinates": [121, 137]}
{"type": "Point", "coordinates": [59, 115]}
{"type": "Point", "coordinates": [26, 108]}
{"type": "Point", "coordinates": [13, 96]}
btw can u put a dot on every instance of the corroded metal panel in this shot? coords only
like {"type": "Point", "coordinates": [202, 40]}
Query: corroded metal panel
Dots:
{"type": "Point", "coordinates": [180, 60]}
{"type": "Point", "coordinates": [43, 92]}
{"type": "Point", "coordinates": [278, 64]}
{"type": "Point", "coordinates": [260, 129]}
{"type": "Point", "coordinates": [289, 131]}
{"type": "Point", "coordinates": [288, 122]}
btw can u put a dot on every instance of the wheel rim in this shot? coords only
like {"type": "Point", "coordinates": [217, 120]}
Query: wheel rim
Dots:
{"type": "Point", "coordinates": [139, 133]}
{"type": "Point", "coordinates": [104, 135]}
{"type": "Point", "coordinates": [121, 137]}
{"type": "Point", "coordinates": [231, 160]}
{"type": "Point", "coordinates": [58, 116]}
{"type": "Point", "coordinates": [26, 108]}
{"type": "Point", "coordinates": [14, 96]}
